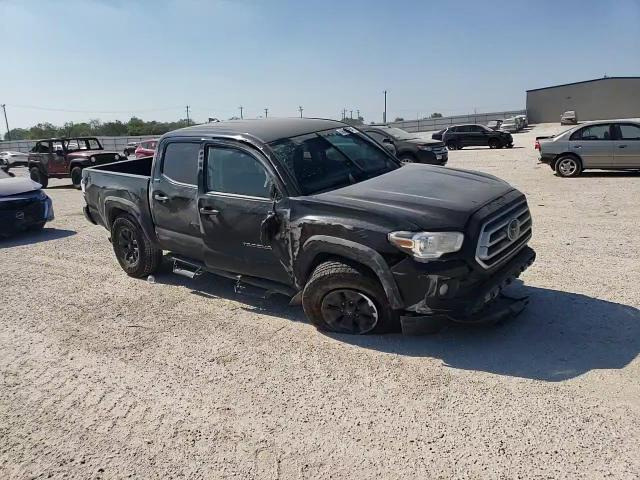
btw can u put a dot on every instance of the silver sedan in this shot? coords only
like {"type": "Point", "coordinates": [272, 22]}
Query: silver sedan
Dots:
{"type": "Point", "coordinates": [609, 145]}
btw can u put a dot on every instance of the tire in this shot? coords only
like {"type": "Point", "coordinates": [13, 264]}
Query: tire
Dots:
{"type": "Point", "coordinates": [135, 253]}
{"type": "Point", "coordinates": [37, 176]}
{"type": "Point", "coordinates": [76, 176]}
{"type": "Point", "coordinates": [452, 145]}
{"type": "Point", "coordinates": [494, 143]}
{"type": "Point", "coordinates": [510, 145]}
{"type": "Point", "coordinates": [407, 159]}
{"type": "Point", "coordinates": [36, 227]}
{"type": "Point", "coordinates": [343, 298]}
{"type": "Point", "coordinates": [568, 166]}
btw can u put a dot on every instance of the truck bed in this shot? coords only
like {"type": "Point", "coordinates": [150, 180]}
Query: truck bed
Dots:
{"type": "Point", "coordinates": [117, 185]}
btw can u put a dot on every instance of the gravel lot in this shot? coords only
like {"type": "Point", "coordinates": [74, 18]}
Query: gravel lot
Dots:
{"type": "Point", "coordinates": [105, 376]}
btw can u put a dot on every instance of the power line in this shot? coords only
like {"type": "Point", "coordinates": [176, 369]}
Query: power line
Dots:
{"type": "Point", "coordinates": [33, 107]}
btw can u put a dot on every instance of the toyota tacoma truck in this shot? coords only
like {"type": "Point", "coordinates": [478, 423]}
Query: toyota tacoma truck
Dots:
{"type": "Point", "coordinates": [316, 210]}
{"type": "Point", "coordinates": [66, 157]}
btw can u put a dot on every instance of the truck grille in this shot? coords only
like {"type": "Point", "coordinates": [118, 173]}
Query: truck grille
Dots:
{"type": "Point", "coordinates": [503, 235]}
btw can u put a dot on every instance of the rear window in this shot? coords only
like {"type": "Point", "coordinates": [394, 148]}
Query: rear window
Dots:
{"type": "Point", "coordinates": [180, 162]}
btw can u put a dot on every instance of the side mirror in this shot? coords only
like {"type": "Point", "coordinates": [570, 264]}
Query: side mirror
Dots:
{"type": "Point", "coordinates": [274, 193]}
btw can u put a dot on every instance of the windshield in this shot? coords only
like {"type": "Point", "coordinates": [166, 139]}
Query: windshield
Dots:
{"type": "Point", "coordinates": [399, 134]}
{"type": "Point", "coordinates": [331, 159]}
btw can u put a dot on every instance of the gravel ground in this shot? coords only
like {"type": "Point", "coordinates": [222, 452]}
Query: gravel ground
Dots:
{"type": "Point", "coordinates": [105, 376]}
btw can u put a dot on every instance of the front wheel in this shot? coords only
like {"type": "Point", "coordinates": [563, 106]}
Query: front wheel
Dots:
{"type": "Point", "coordinates": [37, 176]}
{"type": "Point", "coordinates": [494, 143]}
{"type": "Point", "coordinates": [568, 166]}
{"type": "Point", "coordinates": [452, 145]}
{"type": "Point", "coordinates": [407, 159]}
{"type": "Point", "coordinates": [135, 253]}
{"type": "Point", "coordinates": [347, 299]}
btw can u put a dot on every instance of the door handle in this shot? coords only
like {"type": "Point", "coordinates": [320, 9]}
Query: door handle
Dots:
{"type": "Point", "coordinates": [622, 146]}
{"type": "Point", "coordinates": [160, 197]}
{"type": "Point", "coordinates": [577, 146]}
{"type": "Point", "coordinates": [209, 211]}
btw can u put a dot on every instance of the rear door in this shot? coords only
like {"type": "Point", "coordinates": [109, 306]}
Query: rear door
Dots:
{"type": "Point", "coordinates": [174, 197]}
{"type": "Point", "coordinates": [233, 202]}
{"type": "Point", "coordinates": [594, 144]}
{"type": "Point", "coordinates": [626, 146]}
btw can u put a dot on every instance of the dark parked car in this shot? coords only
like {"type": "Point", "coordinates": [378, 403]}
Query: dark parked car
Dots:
{"type": "Point", "coordinates": [23, 205]}
{"type": "Point", "coordinates": [460, 136]}
{"type": "Point", "coordinates": [130, 148]}
{"type": "Point", "coordinates": [409, 148]}
{"type": "Point", "coordinates": [66, 157]}
{"type": "Point", "coordinates": [146, 148]}
{"type": "Point", "coordinates": [438, 134]}
{"type": "Point", "coordinates": [317, 210]}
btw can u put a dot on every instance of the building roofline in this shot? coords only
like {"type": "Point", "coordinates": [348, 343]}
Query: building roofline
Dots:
{"type": "Point", "coordinates": [583, 81]}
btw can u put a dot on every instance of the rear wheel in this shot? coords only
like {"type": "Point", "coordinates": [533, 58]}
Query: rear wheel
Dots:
{"type": "Point", "coordinates": [347, 299]}
{"type": "Point", "coordinates": [135, 253]}
{"type": "Point", "coordinates": [452, 145]}
{"type": "Point", "coordinates": [76, 176]}
{"type": "Point", "coordinates": [37, 176]}
{"type": "Point", "coordinates": [568, 166]}
{"type": "Point", "coordinates": [407, 159]}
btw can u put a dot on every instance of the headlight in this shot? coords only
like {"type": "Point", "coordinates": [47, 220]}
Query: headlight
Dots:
{"type": "Point", "coordinates": [117, 157]}
{"type": "Point", "coordinates": [427, 245]}
{"type": "Point", "coordinates": [425, 147]}
{"type": "Point", "coordinates": [93, 159]}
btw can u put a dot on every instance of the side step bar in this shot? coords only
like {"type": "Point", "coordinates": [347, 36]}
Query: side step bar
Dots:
{"type": "Point", "coordinates": [192, 269]}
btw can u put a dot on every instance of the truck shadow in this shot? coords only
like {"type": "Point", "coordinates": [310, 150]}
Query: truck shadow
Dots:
{"type": "Point", "coordinates": [29, 238]}
{"type": "Point", "coordinates": [560, 335]}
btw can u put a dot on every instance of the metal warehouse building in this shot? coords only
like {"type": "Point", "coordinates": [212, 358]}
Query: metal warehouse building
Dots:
{"type": "Point", "coordinates": [602, 98]}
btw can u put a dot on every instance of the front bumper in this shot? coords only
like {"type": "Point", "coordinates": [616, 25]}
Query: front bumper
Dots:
{"type": "Point", "coordinates": [455, 292]}
{"type": "Point", "coordinates": [431, 157]}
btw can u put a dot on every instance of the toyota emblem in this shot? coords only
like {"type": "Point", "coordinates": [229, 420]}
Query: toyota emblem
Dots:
{"type": "Point", "coordinates": [513, 229]}
{"type": "Point", "coordinates": [20, 215]}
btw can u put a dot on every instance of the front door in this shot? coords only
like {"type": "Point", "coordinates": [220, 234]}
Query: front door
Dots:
{"type": "Point", "coordinates": [57, 160]}
{"type": "Point", "coordinates": [174, 198]}
{"type": "Point", "coordinates": [234, 200]}
{"type": "Point", "coordinates": [478, 136]}
{"type": "Point", "coordinates": [626, 147]}
{"type": "Point", "coordinates": [594, 144]}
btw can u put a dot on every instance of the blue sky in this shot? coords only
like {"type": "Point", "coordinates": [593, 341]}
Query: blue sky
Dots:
{"type": "Point", "coordinates": [150, 58]}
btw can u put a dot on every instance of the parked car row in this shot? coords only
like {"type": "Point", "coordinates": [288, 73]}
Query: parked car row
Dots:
{"type": "Point", "coordinates": [408, 147]}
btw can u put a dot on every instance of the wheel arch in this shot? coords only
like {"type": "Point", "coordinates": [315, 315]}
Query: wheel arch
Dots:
{"type": "Point", "coordinates": [320, 248]}
{"type": "Point", "coordinates": [115, 207]}
{"type": "Point", "coordinates": [566, 154]}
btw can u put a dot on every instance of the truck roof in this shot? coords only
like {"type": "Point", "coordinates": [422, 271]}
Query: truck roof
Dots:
{"type": "Point", "coordinates": [265, 129]}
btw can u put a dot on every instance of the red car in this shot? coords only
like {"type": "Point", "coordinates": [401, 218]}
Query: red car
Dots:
{"type": "Point", "coordinates": [146, 148]}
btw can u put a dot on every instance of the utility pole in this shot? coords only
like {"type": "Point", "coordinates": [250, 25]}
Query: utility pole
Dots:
{"type": "Point", "coordinates": [241, 108]}
{"type": "Point", "coordinates": [344, 114]}
{"type": "Point", "coordinates": [358, 114]}
{"type": "Point", "coordinates": [188, 121]}
{"type": "Point", "coordinates": [6, 122]}
{"type": "Point", "coordinates": [384, 115]}
{"type": "Point", "coordinates": [266, 113]}
{"type": "Point", "coordinates": [300, 109]}
{"type": "Point", "coordinates": [351, 114]}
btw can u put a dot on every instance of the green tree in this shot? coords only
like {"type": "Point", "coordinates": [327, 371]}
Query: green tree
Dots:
{"type": "Point", "coordinates": [399, 119]}
{"type": "Point", "coordinates": [42, 130]}
{"type": "Point", "coordinates": [17, 134]}
{"type": "Point", "coordinates": [436, 115]}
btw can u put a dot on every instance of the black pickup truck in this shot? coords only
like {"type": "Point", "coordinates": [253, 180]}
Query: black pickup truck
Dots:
{"type": "Point", "coordinates": [316, 210]}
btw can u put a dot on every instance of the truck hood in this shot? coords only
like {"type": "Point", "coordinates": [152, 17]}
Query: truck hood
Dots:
{"type": "Point", "coordinates": [423, 141]}
{"type": "Point", "coordinates": [427, 196]}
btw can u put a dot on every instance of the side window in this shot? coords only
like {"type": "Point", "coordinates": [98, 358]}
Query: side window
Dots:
{"type": "Point", "coordinates": [593, 132]}
{"type": "Point", "coordinates": [180, 162]}
{"type": "Point", "coordinates": [230, 170]}
{"type": "Point", "coordinates": [376, 136]}
{"type": "Point", "coordinates": [629, 131]}
{"type": "Point", "coordinates": [476, 129]}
